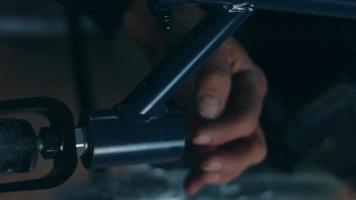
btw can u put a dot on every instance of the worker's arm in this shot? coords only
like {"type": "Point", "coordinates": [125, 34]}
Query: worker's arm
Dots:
{"type": "Point", "coordinates": [228, 91]}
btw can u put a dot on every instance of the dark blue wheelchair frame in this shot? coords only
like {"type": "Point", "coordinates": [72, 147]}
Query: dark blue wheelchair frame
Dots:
{"type": "Point", "coordinates": [143, 118]}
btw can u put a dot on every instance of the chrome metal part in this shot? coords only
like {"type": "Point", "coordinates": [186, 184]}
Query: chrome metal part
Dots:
{"type": "Point", "coordinates": [239, 7]}
{"type": "Point", "coordinates": [81, 141]}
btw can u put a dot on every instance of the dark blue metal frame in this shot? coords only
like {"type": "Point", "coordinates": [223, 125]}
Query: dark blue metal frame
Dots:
{"type": "Point", "coordinates": [165, 79]}
{"type": "Point", "coordinates": [145, 128]}
{"type": "Point", "coordinates": [330, 8]}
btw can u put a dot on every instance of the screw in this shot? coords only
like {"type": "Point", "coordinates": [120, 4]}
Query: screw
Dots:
{"type": "Point", "coordinates": [165, 17]}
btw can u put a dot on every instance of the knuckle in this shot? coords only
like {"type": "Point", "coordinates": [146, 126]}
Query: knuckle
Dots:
{"type": "Point", "coordinates": [260, 153]}
{"type": "Point", "coordinates": [248, 126]}
{"type": "Point", "coordinates": [262, 82]}
{"type": "Point", "coordinates": [236, 167]}
{"type": "Point", "coordinates": [263, 153]}
{"type": "Point", "coordinates": [254, 123]}
{"type": "Point", "coordinates": [220, 70]}
{"type": "Point", "coordinates": [216, 70]}
{"type": "Point", "coordinates": [248, 132]}
{"type": "Point", "coordinates": [246, 129]}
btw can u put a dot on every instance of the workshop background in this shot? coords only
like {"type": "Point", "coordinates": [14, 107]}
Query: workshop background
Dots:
{"type": "Point", "coordinates": [82, 57]}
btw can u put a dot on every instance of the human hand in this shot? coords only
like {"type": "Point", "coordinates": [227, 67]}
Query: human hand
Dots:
{"type": "Point", "coordinates": [229, 90]}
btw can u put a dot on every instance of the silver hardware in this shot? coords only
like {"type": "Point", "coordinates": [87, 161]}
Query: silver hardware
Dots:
{"type": "Point", "coordinates": [240, 7]}
{"type": "Point", "coordinates": [81, 143]}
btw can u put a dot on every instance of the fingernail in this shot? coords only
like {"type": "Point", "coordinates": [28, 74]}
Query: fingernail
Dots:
{"type": "Point", "coordinates": [208, 106]}
{"type": "Point", "coordinates": [212, 166]}
{"type": "Point", "coordinates": [213, 178]}
{"type": "Point", "coordinates": [202, 140]}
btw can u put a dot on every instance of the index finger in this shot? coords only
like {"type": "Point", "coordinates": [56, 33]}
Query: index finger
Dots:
{"type": "Point", "coordinates": [241, 119]}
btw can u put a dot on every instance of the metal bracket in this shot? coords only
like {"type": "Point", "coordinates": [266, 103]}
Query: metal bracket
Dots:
{"type": "Point", "coordinates": [61, 120]}
{"type": "Point", "coordinates": [239, 7]}
{"type": "Point", "coordinates": [163, 9]}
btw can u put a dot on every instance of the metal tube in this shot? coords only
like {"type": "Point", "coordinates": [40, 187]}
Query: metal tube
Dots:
{"type": "Point", "coordinates": [331, 8]}
{"type": "Point", "coordinates": [164, 80]}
